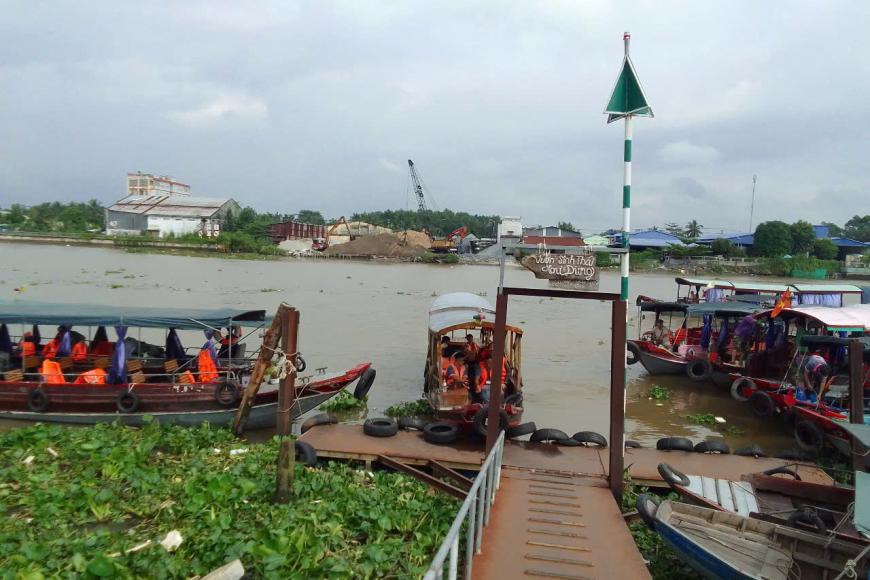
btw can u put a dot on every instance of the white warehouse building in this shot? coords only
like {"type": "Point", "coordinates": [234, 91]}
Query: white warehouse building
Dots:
{"type": "Point", "coordinates": [163, 215]}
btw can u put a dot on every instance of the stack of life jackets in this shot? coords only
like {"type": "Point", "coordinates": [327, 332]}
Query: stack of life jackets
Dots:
{"type": "Point", "coordinates": [92, 377]}
{"type": "Point", "coordinates": [208, 371]}
{"type": "Point", "coordinates": [51, 373]}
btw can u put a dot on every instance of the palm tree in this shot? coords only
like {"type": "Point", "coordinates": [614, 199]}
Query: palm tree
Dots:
{"type": "Point", "coordinates": [694, 229]}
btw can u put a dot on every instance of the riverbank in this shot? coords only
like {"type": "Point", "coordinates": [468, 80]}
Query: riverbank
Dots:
{"type": "Point", "coordinates": [84, 501]}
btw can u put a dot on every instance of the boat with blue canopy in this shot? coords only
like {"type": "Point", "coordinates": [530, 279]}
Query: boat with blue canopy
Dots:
{"type": "Point", "coordinates": [82, 376]}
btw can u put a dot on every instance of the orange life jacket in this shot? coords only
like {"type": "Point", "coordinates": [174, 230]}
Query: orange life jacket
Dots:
{"type": "Point", "coordinates": [207, 369]}
{"type": "Point", "coordinates": [190, 377]}
{"type": "Point", "coordinates": [103, 348]}
{"type": "Point", "coordinates": [50, 349]}
{"type": "Point", "coordinates": [451, 373]}
{"type": "Point", "coordinates": [91, 377]}
{"type": "Point", "coordinates": [52, 373]}
{"type": "Point", "coordinates": [27, 348]}
{"type": "Point", "coordinates": [79, 352]}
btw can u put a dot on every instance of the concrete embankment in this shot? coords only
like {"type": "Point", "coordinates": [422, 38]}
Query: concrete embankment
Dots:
{"type": "Point", "coordinates": [60, 240]}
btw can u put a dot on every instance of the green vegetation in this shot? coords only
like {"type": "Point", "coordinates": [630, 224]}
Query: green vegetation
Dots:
{"type": "Point", "coordinates": [785, 266]}
{"type": "Point", "coordinates": [344, 401]}
{"type": "Point", "coordinates": [858, 228]}
{"type": "Point", "coordinates": [702, 419]}
{"type": "Point", "coordinates": [56, 217]}
{"type": "Point", "coordinates": [802, 238]}
{"type": "Point", "coordinates": [419, 407]}
{"type": "Point", "coordinates": [824, 249]}
{"type": "Point", "coordinates": [772, 239]}
{"type": "Point", "coordinates": [437, 223]}
{"type": "Point", "coordinates": [77, 501]}
{"type": "Point", "coordinates": [659, 393]}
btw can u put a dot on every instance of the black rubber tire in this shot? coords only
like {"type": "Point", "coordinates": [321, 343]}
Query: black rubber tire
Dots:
{"type": "Point", "coordinates": [516, 400]}
{"type": "Point", "coordinates": [630, 444]}
{"type": "Point", "coordinates": [633, 356]}
{"type": "Point", "coordinates": [568, 443]}
{"type": "Point", "coordinates": [762, 404]}
{"type": "Point", "coordinates": [673, 476]}
{"type": "Point", "coordinates": [380, 427]}
{"type": "Point", "coordinates": [300, 364]}
{"type": "Point", "coordinates": [546, 435]}
{"type": "Point", "coordinates": [809, 437]}
{"type": "Point", "coordinates": [647, 506]}
{"type": "Point", "coordinates": [712, 447]}
{"type": "Point", "coordinates": [415, 423]}
{"type": "Point", "coordinates": [127, 402]}
{"type": "Point", "coordinates": [750, 451]}
{"type": "Point", "coordinates": [440, 433]}
{"type": "Point", "coordinates": [783, 470]}
{"type": "Point", "coordinates": [675, 444]}
{"type": "Point", "coordinates": [520, 430]}
{"type": "Point", "coordinates": [364, 384]}
{"type": "Point", "coordinates": [318, 419]}
{"type": "Point", "coordinates": [737, 388]}
{"type": "Point", "coordinates": [480, 420]}
{"type": "Point", "coordinates": [699, 369]}
{"type": "Point", "coordinates": [38, 401]}
{"type": "Point", "coordinates": [789, 420]}
{"type": "Point", "coordinates": [588, 438]}
{"type": "Point", "coordinates": [809, 517]}
{"type": "Point", "coordinates": [227, 393]}
{"type": "Point", "coordinates": [305, 453]}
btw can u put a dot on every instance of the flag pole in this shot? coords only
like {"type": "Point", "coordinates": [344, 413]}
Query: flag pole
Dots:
{"type": "Point", "coordinates": [626, 196]}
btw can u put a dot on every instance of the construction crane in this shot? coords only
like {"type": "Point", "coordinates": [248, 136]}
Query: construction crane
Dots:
{"type": "Point", "coordinates": [418, 187]}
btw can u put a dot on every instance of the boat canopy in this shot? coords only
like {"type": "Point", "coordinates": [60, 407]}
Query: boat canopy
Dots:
{"type": "Point", "coordinates": [855, 318]}
{"type": "Point", "coordinates": [827, 288]}
{"type": "Point", "coordinates": [663, 306]}
{"type": "Point", "coordinates": [15, 312]}
{"type": "Point", "coordinates": [769, 288]}
{"type": "Point", "coordinates": [812, 341]}
{"type": "Point", "coordinates": [722, 309]}
{"type": "Point", "coordinates": [458, 308]}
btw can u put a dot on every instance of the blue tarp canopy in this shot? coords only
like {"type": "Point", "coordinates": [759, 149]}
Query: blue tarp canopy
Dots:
{"type": "Point", "coordinates": [16, 312]}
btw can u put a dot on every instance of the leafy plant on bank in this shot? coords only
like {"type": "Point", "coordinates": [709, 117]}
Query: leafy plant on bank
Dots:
{"type": "Point", "coordinates": [702, 418]}
{"type": "Point", "coordinates": [75, 501]}
{"type": "Point", "coordinates": [419, 407]}
{"type": "Point", "coordinates": [344, 401]}
{"type": "Point", "coordinates": [659, 393]}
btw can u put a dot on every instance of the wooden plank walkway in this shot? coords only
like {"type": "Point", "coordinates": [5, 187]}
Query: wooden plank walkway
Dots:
{"type": "Point", "coordinates": [349, 442]}
{"type": "Point", "coordinates": [556, 526]}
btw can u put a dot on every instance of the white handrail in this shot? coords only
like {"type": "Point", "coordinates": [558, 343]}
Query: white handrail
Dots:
{"type": "Point", "coordinates": [475, 510]}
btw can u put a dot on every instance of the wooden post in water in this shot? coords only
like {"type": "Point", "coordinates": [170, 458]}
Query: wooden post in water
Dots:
{"type": "Point", "coordinates": [286, 401]}
{"type": "Point", "coordinates": [617, 397]}
{"type": "Point", "coordinates": [270, 342]}
{"type": "Point", "coordinates": [856, 397]}
{"type": "Point", "coordinates": [498, 338]}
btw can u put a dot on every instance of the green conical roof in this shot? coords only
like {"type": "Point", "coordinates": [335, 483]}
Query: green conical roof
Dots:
{"type": "Point", "coordinates": [627, 97]}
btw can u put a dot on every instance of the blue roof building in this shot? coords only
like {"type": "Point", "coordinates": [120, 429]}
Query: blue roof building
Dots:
{"type": "Point", "coordinates": [738, 239]}
{"type": "Point", "coordinates": [650, 239]}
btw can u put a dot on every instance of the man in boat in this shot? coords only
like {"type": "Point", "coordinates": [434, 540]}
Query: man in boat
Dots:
{"type": "Point", "coordinates": [471, 354]}
{"type": "Point", "coordinates": [660, 333]}
{"type": "Point", "coordinates": [815, 371]}
{"type": "Point", "coordinates": [453, 371]}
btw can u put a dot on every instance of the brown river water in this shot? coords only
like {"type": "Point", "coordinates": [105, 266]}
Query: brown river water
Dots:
{"type": "Point", "coordinates": [356, 311]}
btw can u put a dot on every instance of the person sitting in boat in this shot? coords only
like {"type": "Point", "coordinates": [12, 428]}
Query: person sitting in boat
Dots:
{"type": "Point", "coordinates": [79, 350]}
{"type": "Point", "coordinates": [229, 341]}
{"type": "Point", "coordinates": [51, 348]}
{"type": "Point", "coordinates": [660, 333]}
{"type": "Point", "coordinates": [815, 371]}
{"type": "Point", "coordinates": [101, 345]}
{"type": "Point", "coordinates": [453, 371]}
{"type": "Point", "coordinates": [471, 354]}
{"type": "Point", "coordinates": [27, 345]}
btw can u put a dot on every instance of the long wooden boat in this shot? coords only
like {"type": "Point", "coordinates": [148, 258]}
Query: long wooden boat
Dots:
{"type": "Point", "coordinates": [148, 381]}
{"type": "Point", "coordinates": [778, 494]}
{"type": "Point", "coordinates": [719, 544]}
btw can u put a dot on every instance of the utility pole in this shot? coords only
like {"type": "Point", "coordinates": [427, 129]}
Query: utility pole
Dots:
{"type": "Point", "coordinates": [752, 205]}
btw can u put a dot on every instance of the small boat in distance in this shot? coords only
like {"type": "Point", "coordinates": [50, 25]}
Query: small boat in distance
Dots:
{"type": "Point", "coordinates": [719, 544]}
{"type": "Point", "coordinates": [131, 381]}
{"type": "Point", "coordinates": [452, 318]}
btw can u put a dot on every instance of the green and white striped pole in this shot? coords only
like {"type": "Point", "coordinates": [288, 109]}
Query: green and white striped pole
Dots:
{"type": "Point", "coordinates": [626, 102]}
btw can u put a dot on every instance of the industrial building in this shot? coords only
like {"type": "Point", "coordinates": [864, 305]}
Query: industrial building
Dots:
{"type": "Point", "coordinates": [163, 215]}
{"type": "Point", "coordinates": [145, 184]}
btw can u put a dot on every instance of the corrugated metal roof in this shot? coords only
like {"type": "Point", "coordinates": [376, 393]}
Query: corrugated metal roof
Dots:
{"type": "Point", "coordinates": [170, 205]}
{"type": "Point", "coordinates": [553, 240]}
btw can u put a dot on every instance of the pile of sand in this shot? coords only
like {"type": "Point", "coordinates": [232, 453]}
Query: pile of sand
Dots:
{"type": "Point", "coordinates": [408, 244]}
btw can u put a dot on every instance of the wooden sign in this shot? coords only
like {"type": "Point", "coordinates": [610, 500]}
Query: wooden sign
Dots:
{"type": "Point", "coordinates": [576, 271]}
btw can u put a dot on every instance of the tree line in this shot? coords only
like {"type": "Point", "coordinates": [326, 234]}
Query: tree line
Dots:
{"type": "Point", "coordinates": [73, 217]}
{"type": "Point", "coordinates": [437, 223]}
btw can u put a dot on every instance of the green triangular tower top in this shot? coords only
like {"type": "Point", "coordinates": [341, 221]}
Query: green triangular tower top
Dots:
{"type": "Point", "coordinates": [627, 97]}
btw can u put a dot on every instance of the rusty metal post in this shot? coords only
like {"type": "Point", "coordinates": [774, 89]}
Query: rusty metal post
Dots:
{"type": "Point", "coordinates": [286, 401]}
{"type": "Point", "coordinates": [617, 397]}
{"type": "Point", "coordinates": [856, 397]}
{"type": "Point", "coordinates": [498, 338]}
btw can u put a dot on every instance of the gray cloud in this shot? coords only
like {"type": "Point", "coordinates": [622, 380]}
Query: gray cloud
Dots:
{"type": "Point", "coordinates": [285, 105]}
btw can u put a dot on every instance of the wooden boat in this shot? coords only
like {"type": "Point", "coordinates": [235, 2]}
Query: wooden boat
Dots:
{"type": "Point", "coordinates": [720, 544]}
{"type": "Point", "coordinates": [153, 385]}
{"type": "Point", "coordinates": [778, 494]}
{"type": "Point", "coordinates": [455, 316]}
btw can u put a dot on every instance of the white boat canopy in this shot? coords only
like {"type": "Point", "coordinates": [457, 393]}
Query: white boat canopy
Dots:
{"type": "Point", "coordinates": [855, 318]}
{"type": "Point", "coordinates": [458, 308]}
{"type": "Point", "coordinates": [769, 288]}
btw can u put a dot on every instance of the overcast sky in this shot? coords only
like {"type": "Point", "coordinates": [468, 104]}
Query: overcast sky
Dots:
{"type": "Point", "coordinates": [286, 105]}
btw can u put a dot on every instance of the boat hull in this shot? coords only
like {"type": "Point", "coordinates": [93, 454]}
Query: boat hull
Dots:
{"type": "Point", "coordinates": [702, 561]}
{"type": "Point", "coordinates": [658, 361]}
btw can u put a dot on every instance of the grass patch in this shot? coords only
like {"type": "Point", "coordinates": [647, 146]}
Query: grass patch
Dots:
{"type": "Point", "coordinates": [659, 393]}
{"type": "Point", "coordinates": [344, 401]}
{"type": "Point", "coordinates": [702, 419]}
{"type": "Point", "coordinates": [110, 488]}
{"type": "Point", "coordinates": [420, 407]}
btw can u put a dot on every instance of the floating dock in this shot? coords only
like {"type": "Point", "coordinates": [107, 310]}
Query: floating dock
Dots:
{"type": "Point", "coordinates": [554, 514]}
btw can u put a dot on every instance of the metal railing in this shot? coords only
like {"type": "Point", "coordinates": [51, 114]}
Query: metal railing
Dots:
{"type": "Point", "coordinates": [474, 512]}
